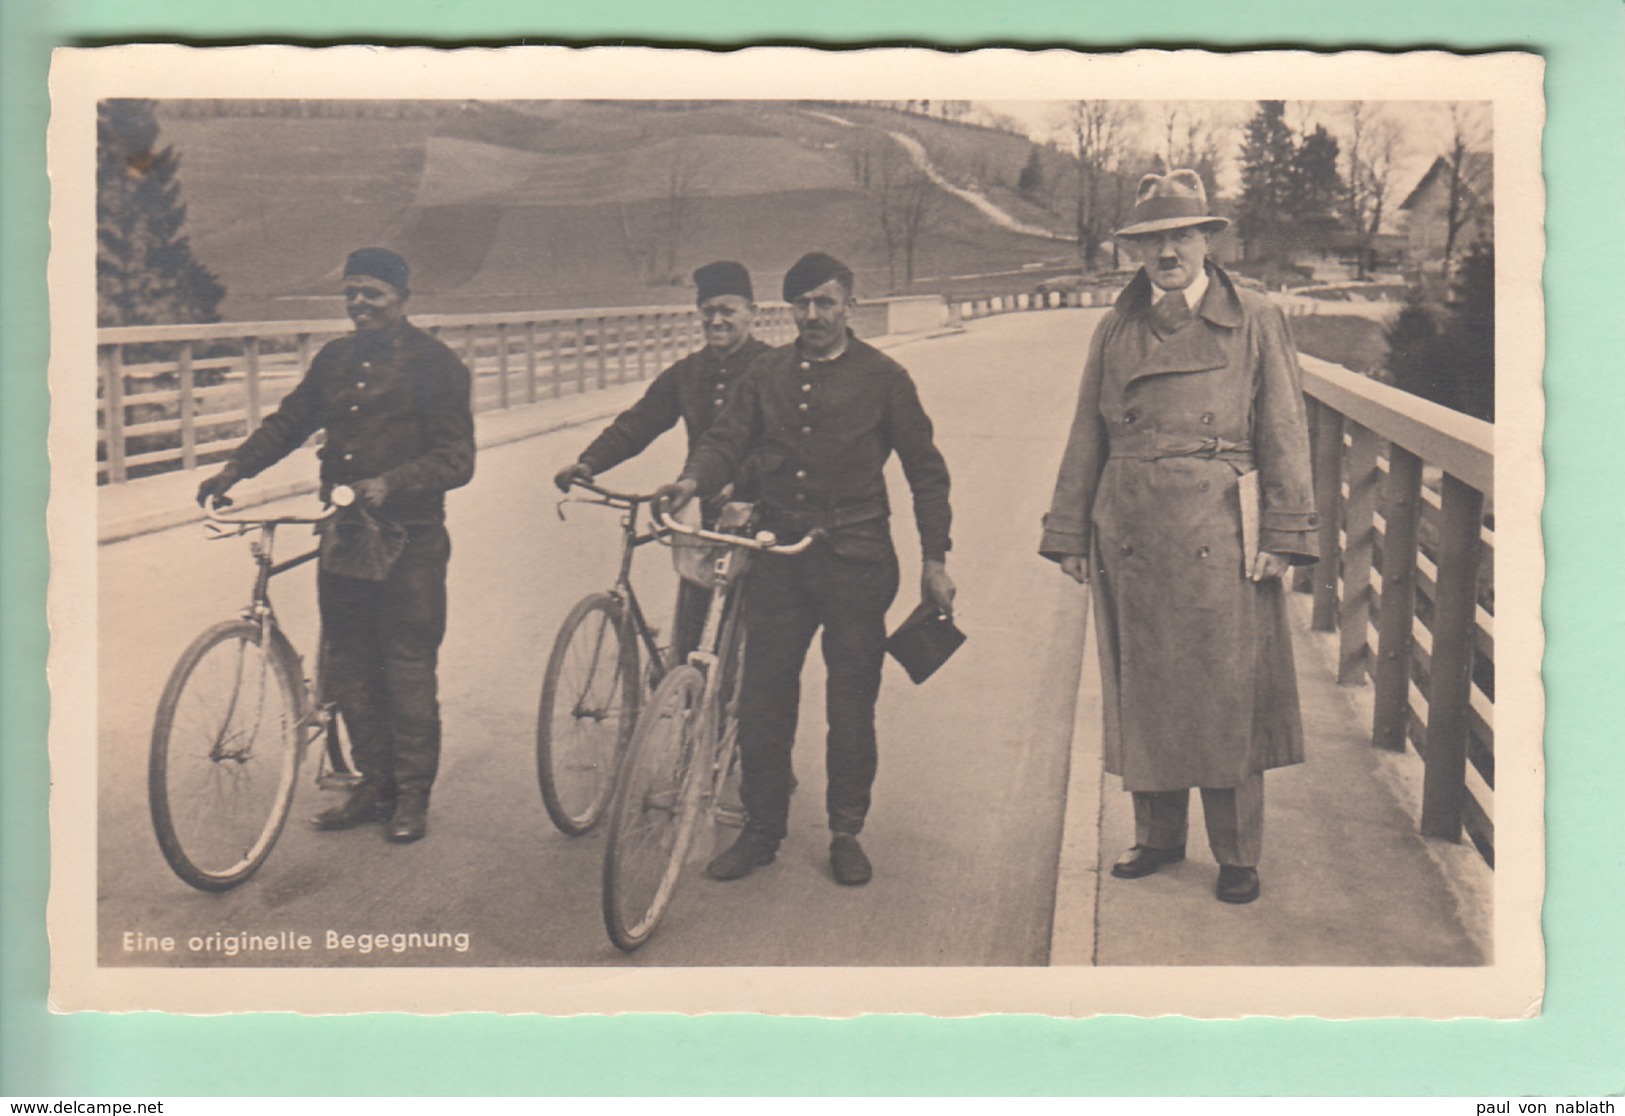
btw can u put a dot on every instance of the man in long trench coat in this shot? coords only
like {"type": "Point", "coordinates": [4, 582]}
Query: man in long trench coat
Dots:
{"type": "Point", "coordinates": [1190, 384]}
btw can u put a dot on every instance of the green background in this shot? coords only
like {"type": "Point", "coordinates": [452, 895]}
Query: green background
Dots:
{"type": "Point", "coordinates": [1575, 1048]}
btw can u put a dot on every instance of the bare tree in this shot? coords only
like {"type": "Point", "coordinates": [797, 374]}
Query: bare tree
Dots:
{"type": "Point", "coordinates": [1372, 146]}
{"type": "Point", "coordinates": [652, 242]}
{"type": "Point", "coordinates": [1097, 130]}
{"type": "Point", "coordinates": [907, 206]}
{"type": "Point", "coordinates": [1194, 135]}
{"type": "Point", "coordinates": [681, 172]}
{"type": "Point", "coordinates": [1467, 171]}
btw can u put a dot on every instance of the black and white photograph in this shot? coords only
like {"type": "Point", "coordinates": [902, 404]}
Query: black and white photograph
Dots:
{"type": "Point", "coordinates": [583, 531]}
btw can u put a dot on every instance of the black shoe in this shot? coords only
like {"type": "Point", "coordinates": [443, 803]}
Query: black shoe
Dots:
{"type": "Point", "coordinates": [1142, 860]}
{"type": "Point", "coordinates": [411, 819]}
{"type": "Point", "coordinates": [847, 862]}
{"type": "Point", "coordinates": [368, 802]}
{"type": "Point", "coordinates": [745, 855]}
{"type": "Point", "coordinates": [1236, 885]}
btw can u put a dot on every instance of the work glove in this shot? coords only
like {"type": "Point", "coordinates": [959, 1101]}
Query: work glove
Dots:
{"type": "Point", "coordinates": [371, 493]}
{"type": "Point", "coordinates": [565, 477]}
{"type": "Point", "coordinates": [213, 489]}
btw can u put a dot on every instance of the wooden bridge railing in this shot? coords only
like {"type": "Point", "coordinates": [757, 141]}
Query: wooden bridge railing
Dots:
{"type": "Point", "coordinates": [1405, 492]}
{"type": "Point", "coordinates": [176, 396]}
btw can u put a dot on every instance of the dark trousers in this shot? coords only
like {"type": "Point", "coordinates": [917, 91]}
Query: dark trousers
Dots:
{"type": "Point", "coordinates": [688, 621]}
{"type": "Point", "coordinates": [791, 597]}
{"type": "Point", "coordinates": [382, 641]}
{"type": "Point", "coordinates": [1234, 816]}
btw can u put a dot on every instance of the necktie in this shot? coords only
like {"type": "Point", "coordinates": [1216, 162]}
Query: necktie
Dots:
{"type": "Point", "coordinates": [1171, 314]}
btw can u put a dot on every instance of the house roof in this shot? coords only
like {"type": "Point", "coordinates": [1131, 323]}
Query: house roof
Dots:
{"type": "Point", "coordinates": [1480, 168]}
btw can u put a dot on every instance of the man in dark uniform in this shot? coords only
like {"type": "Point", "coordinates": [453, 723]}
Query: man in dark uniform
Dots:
{"type": "Point", "coordinates": [819, 419]}
{"type": "Point", "coordinates": [694, 390]}
{"type": "Point", "coordinates": [395, 404]}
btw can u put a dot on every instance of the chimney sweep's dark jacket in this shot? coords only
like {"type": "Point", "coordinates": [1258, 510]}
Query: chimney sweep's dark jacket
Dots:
{"type": "Point", "coordinates": [395, 407]}
{"type": "Point", "coordinates": [821, 433]}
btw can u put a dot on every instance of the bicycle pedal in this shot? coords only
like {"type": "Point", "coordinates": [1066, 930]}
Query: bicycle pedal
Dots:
{"type": "Point", "coordinates": [731, 816]}
{"type": "Point", "coordinates": [338, 780]}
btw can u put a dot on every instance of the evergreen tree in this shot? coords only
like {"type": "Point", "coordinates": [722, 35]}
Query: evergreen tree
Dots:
{"type": "Point", "coordinates": [1447, 353]}
{"type": "Point", "coordinates": [1031, 180]}
{"type": "Point", "coordinates": [1268, 157]}
{"type": "Point", "coordinates": [1291, 188]}
{"type": "Point", "coordinates": [1472, 332]}
{"type": "Point", "coordinates": [145, 271]}
{"type": "Point", "coordinates": [1317, 187]}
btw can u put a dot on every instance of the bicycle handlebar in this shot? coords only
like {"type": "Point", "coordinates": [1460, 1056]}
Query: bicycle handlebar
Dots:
{"type": "Point", "coordinates": [764, 541]}
{"type": "Point", "coordinates": [216, 524]}
{"type": "Point", "coordinates": [627, 498]}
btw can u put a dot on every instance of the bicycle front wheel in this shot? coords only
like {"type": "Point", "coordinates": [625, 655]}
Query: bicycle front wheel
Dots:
{"type": "Point", "coordinates": [588, 709]}
{"type": "Point", "coordinates": [225, 754]}
{"type": "Point", "coordinates": [653, 815]}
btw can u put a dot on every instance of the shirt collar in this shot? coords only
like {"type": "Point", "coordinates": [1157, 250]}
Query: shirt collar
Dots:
{"type": "Point", "coordinates": [1193, 293]}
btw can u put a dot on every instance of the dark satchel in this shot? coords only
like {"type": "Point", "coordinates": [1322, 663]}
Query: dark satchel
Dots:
{"type": "Point", "coordinates": [924, 641]}
{"type": "Point", "coordinates": [355, 543]}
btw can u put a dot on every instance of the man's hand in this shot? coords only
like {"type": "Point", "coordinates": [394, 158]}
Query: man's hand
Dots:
{"type": "Point", "coordinates": [565, 477]}
{"type": "Point", "coordinates": [214, 488]}
{"type": "Point", "coordinates": [1076, 566]}
{"type": "Point", "coordinates": [371, 493]}
{"type": "Point", "coordinates": [936, 587]}
{"type": "Point", "coordinates": [1268, 567]}
{"type": "Point", "coordinates": [674, 497]}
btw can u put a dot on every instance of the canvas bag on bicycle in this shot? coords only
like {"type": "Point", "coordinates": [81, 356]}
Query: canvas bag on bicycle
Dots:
{"type": "Point", "coordinates": [695, 559]}
{"type": "Point", "coordinates": [355, 543]}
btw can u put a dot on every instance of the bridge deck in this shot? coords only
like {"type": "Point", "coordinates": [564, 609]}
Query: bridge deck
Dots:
{"type": "Point", "coordinates": [991, 827]}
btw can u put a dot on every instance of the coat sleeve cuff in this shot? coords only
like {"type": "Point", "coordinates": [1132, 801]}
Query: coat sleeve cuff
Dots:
{"type": "Point", "coordinates": [1302, 547]}
{"type": "Point", "coordinates": [1275, 519]}
{"type": "Point", "coordinates": [1057, 544]}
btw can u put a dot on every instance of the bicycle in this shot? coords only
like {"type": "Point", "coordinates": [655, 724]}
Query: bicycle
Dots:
{"type": "Point", "coordinates": [594, 683]}
{"type": "Point", "coordinates": [233, 723]}
{"type": "Point", "coordinates": [684, 750]}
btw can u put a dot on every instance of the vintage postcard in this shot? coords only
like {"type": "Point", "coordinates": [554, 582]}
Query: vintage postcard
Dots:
{"type": "Point", "coordinates": [433, 711]}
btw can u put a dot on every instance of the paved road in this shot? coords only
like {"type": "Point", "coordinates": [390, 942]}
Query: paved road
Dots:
{"type": "Point", "coordinates": [968, 806]}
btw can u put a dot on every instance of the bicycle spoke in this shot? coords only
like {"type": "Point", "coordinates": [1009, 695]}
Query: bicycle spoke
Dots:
{"type": "Point", "coordinates": [585, 714]}
{"type": "Point", "coordinates": [655, 810]}
{"type": "Point", "coordinates": [225, 754]}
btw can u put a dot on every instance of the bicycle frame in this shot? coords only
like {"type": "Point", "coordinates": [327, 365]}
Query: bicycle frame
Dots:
{"type": "Point", "coordinates": [717, 648]}
{"type": "Point", "coordinates": [622, 590]}
{"type": "Point", "coordinates": [318, 717]}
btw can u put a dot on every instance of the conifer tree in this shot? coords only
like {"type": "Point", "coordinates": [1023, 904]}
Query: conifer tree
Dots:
{"type": "Point", "coordinates": [145, 271]}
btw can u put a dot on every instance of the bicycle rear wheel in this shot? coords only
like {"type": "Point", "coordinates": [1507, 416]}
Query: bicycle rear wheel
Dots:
{"type": "Point", "coordinates": [655, 810]}
{"type": "Point", "coordinates": [588, 709]}
{"type": "Point", "coordinates": [225, 754]}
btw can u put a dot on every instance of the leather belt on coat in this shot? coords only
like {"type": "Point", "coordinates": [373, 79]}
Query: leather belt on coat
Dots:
{"type": "Point", "coordinates": [1156, 447]}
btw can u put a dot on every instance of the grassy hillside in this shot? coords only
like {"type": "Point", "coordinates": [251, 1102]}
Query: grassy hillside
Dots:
{"type": "Point", "coordinates": [532, 204]}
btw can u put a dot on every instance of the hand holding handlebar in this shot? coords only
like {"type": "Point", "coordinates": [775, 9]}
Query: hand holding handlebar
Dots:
{"type": "Point", "coordinates": [669, 499]}
{"type": "Point", "coordinates": [578, 472]}
{"type": "Point", "coordinates": [211, 493]}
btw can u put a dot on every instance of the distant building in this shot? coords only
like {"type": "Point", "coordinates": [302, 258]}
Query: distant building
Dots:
{"type": "Point", "coordinates": [1424, 215]}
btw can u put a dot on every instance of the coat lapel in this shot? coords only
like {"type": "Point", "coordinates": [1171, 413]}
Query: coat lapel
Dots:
{"type": "Point", "coordinates": [1202, 345]}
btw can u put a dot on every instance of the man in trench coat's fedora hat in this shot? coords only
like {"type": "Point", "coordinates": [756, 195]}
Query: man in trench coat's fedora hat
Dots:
{"type": "Point", "coordinates": [1190, 384]}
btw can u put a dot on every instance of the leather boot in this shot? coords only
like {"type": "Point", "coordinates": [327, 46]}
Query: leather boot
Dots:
{"type": "Point", "coordinates": [847, 863]}
{"type": "Point", "coordinates": [368, 802]}
{"type": "Point", "coordinates": [411, 820]}
{"type": "Point", "coordinates": [749, 852]}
